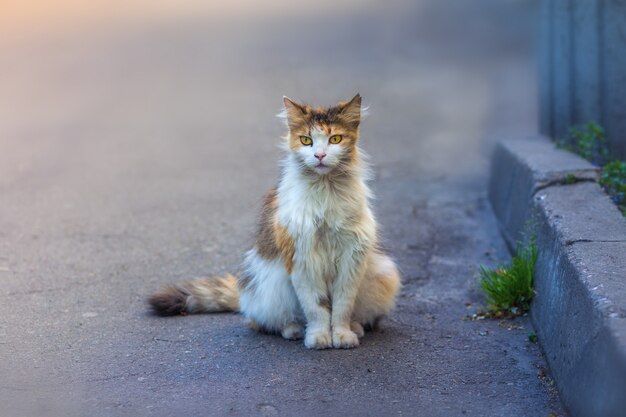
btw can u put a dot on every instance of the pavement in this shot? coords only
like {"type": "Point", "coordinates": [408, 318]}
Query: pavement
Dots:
{"type": "Point", "coordinates": [135, 148]}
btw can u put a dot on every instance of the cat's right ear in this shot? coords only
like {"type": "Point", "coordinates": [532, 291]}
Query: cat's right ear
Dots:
{"type": "Point", "coordinates": [292, 112]}
{"type": "Point", "coordinates": [292, 108]}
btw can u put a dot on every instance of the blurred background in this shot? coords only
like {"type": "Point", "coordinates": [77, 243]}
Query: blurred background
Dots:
{"type": "Point", "coordinates": [137, 138]}
{"type": "Point", "coordinates": [106, 78]}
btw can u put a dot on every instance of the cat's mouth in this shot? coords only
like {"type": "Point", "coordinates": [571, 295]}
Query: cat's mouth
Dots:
{"type": "Point", "coordinates": [322, 167]}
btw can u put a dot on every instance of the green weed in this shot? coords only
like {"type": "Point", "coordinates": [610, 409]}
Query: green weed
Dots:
{"type": "Point", "coordinates": [589, 141]}
{"type": "Point", "coordinates": [509, 288]}
{"type": "Point", "coordinates": [613, 180]}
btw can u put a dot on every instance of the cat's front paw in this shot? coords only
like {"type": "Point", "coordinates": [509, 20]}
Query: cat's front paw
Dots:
{"type": "Point", "coordinates": [344, 338]}
{"type": "Point", "coordinates": [318, 339]}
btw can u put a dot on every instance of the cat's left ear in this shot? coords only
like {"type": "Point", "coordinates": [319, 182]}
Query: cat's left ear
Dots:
{"type": "Point", "coordinates": [351, 111]}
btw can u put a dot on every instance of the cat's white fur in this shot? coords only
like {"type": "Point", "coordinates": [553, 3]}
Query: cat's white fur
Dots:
{"type": "Point", "coordinates": [273, 303]}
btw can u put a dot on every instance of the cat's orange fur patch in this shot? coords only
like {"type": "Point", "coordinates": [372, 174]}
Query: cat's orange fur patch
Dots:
{"type": "Point", "coordinates": [273, 239]}
{"type": "Point", "coordinates": [389, 286]}
{"type": "Point", "coordinates": [285, 245]}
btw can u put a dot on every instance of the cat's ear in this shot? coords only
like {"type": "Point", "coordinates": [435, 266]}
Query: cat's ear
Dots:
{"type": "Point", "coordinates": [291, 105]}
{"type": "Point", "coordinates": [292, 113]}
{"type": "Point", "coordinates": [351, 111]}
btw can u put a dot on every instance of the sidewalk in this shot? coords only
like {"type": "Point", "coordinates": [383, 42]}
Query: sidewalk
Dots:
{"type": "Point", "coordinates": [136, 154]}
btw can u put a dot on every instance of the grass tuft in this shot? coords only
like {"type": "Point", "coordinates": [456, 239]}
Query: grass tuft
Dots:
{"type": "Point", "coordinates": [613, 180]}
{"type": "Point", "coordinates": [509, 288]}
{"type": "Point", "coordinates": [588, 141]}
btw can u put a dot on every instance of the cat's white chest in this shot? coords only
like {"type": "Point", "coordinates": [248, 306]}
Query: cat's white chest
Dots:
{"type": "Point", "coordinates": [320, 240]}
{"type": "Point", "coordinates": [326, 220]}
{"type": "Point", "coordinates": [305, 215]}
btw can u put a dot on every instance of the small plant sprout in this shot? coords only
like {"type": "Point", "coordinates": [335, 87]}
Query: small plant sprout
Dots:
{"type": "Point", "coordinates": [589, 141]}
{"type": "Point", "coordinates": [613, 180]}
{"type": "Point", "coordinates": [509, 288]}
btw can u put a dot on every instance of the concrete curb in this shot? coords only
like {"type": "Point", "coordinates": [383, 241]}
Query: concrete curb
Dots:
{"type": "Point", "coordinates": [579, 310]}
{"type": "Point", "coordinates": [520, 168]}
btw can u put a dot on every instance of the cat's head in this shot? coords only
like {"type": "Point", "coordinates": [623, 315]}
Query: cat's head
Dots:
{"type": "Point", "coordinates": [323, 139]}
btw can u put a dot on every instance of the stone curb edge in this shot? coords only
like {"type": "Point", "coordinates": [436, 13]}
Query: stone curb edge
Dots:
{"type": "Point", "coordinates": [579, 310]}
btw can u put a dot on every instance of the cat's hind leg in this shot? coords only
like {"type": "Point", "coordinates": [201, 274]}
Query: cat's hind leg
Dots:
{"type": "Point", "coordinates": [357, 328]}
{"type": "Point", "coordinates": [377, 293]}
{"type": "Point", "coordinates": [268, 300]}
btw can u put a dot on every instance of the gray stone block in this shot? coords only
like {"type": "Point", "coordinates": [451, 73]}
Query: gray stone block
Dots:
{"type": "Point", "coordinates": [579, 309]}
{"type": "Point", "coordinates": [521, 167]}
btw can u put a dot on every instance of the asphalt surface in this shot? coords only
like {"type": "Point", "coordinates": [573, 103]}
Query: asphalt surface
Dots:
{"type": "Point", "coordinates": [135, 149]}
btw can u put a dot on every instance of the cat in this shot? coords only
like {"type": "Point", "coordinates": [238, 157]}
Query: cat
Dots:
{"type": "Point", "coordinates": [316, 270]}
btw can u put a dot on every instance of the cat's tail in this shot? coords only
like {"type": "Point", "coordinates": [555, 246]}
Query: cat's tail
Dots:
{"type": "Point", "coordinates": [202, 295]}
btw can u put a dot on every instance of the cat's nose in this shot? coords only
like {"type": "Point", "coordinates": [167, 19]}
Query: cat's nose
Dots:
{"type": "Point", "coordinates": [320, 155]}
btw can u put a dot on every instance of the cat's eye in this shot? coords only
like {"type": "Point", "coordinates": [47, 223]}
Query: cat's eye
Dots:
{"type": "Point", "coordinates": [335, 139]}
{"type": "Point", "coordinates": [306, 140]}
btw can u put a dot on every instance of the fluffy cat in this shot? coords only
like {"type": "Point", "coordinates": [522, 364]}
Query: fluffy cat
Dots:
{"type": "Point", "coordinates": [316, 270]}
